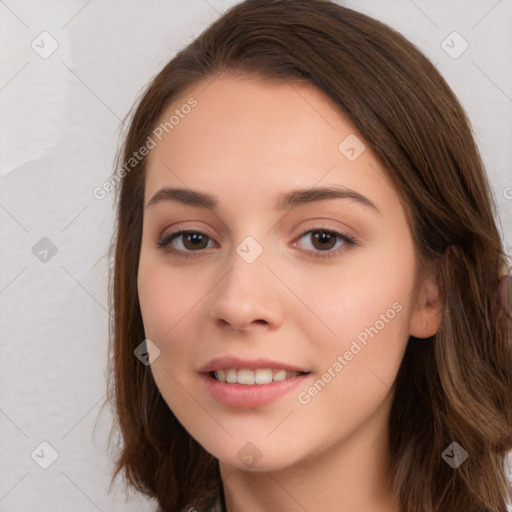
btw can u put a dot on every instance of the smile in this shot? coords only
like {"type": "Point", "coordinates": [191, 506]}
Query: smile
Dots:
{"type": "Point", "coordinates": [249, 377]}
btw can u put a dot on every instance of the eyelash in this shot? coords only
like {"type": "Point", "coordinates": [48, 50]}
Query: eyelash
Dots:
{"type": "Point", "coordinates": [165, 241]}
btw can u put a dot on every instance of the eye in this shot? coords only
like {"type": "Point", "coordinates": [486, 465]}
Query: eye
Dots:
{"type": "Point", "coordinates": [190, 241]}
{"type": "Point", "coordinates": [184, 242]}
{"type": "Point", "coordinates": [323, 242]}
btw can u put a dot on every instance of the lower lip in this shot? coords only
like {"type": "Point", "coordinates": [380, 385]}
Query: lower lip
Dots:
{"type": "Point", "coordinates": [250, 395]}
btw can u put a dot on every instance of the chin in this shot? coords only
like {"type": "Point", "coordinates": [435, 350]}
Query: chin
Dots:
{"type": "Point", "coordinates": [253, 456]}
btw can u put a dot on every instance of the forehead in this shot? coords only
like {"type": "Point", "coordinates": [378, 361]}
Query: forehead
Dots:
{"type": "Point", "coordinates": [252, 137]}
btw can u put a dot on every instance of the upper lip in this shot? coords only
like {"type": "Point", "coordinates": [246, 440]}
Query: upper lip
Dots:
{"type": "Point", "coordinates": [225, 362]}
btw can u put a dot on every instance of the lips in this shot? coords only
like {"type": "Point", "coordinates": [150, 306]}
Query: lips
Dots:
{"type": "Point", "coordinates": [249, 396]}
{"type": "Point", "coordinates": [236, 382]}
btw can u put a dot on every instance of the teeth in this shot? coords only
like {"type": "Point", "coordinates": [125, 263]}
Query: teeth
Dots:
{"type": "Point", "coordinates": [245, 377]}
{"type": "Point", "coordinates": [263, 376]}
{"type": "Point", "coordinates": [248, 377]}
{"type": "Point", "coordinates": [279, 375]}
{"type": "Point", "coordinates": [231, 376]}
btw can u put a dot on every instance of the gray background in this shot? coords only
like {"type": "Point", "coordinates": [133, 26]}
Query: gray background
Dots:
{"type": "Point", "coordinates": [60, 124]}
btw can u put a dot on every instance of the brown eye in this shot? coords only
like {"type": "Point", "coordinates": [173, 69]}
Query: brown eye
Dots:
{"type": "Point", "coordinates": [324, 240]}
{"type": "Point", "coordinates": [193, 240]}
{"type": "Point", "coordinates": [184, 241]}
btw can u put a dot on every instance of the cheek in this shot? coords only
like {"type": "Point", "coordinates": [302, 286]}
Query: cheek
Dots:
{"type": "Point", "coordinates": [368, 310]}
{"type": "Point", "coordinates": [366, 307]}
{"type": "Point", "coordinates": [166, 296]}
{"type": "Point", "coordinates": [167, 307]}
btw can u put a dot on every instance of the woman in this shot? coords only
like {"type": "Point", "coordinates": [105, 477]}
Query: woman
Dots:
{"type": "Point", "coordinates": [306, 265]}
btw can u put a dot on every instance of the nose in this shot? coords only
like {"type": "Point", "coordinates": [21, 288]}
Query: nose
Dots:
{"type": "Point", "coordinates": [249, 296]}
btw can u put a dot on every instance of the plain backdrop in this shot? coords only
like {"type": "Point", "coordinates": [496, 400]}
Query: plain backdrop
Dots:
{"type": "Point", "coordinates": [70, 71]}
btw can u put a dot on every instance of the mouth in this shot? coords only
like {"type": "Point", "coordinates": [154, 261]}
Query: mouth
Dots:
{"type": "Point", "coordinates": [245, 388]}
{"type": "Point", "coordinates": [234, 381]}
{"type": "Point", "coordinates": [248, 377]}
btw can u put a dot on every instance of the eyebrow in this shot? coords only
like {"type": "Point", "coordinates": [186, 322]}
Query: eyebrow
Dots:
{"type": "Point", "coordinates": [285, 201]}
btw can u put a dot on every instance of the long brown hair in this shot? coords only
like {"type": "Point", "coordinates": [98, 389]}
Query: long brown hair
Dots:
{"type": "Point", "coordinates": [453, 387]}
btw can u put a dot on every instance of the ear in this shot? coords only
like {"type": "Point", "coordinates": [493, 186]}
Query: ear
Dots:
{"type": "Point", "coordinates": [427, 308]}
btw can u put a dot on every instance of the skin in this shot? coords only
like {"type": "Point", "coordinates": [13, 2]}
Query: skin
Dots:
{"type": "Point", "coordinates": [246, 141]}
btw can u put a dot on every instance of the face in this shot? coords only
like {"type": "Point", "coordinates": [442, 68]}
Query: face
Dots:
{"type": "Point", "coordinates": [265, 279]}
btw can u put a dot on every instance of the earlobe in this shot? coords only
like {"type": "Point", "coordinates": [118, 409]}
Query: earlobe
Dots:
{"type": "Point", "coordinates": [427, 310]}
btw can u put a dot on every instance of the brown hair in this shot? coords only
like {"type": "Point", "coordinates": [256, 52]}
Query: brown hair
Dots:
{"type": "Point", "coordinates": [456, 386]}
